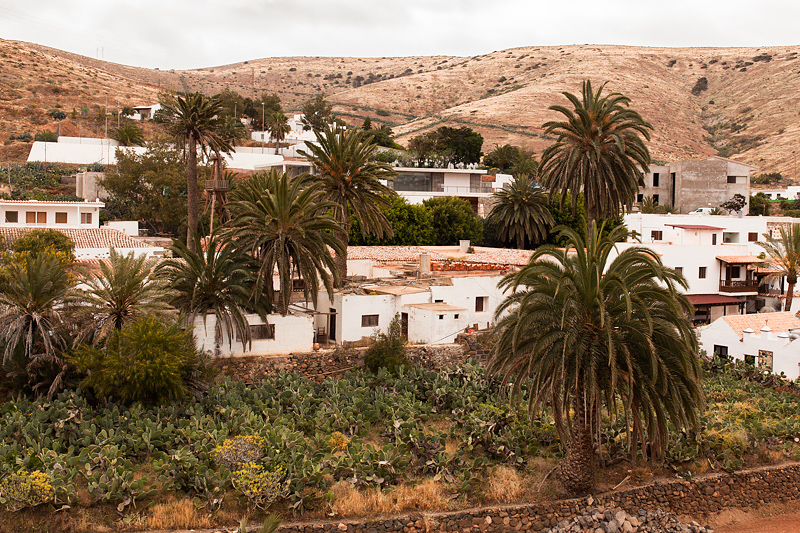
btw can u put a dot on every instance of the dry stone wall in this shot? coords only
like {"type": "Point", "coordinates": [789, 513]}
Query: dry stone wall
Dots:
{"type": "Point", "coordinates": [696, 498]}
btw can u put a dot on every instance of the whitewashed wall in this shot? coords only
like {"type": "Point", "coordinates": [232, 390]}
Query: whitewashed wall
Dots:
{"type": "Point", "coordinates": [293, 333]}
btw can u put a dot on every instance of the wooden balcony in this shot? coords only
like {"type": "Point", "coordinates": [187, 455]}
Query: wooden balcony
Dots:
{"type": "Point", "coordinates": [738, 285]}
{"type": "Point", "coordinates": [218, 185]}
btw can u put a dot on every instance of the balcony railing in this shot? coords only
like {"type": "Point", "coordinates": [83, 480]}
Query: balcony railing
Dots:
{"type": "Point", "coordinates": [727, 285]}
{"type": "Point", "coordinates": [217, 185]}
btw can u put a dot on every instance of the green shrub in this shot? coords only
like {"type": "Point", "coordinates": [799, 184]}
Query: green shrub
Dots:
{"type": "Point", "coordinates": [57, 114]}
{"type": "Point", "coordinates": [260, 485]}
{"type": "Point", "coordinates": [26, 489]}
{"type": "Point", "coordinates": [46, 136]}
{"type": "Point", "coordinates": [236, 452]}
{"type": "Point", "coordinates": [389, 351]}
{"type": "Point", "coordinates": [146, 361]}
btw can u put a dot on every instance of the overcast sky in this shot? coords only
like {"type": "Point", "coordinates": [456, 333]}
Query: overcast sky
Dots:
{"type": "Point", "coordinates": [183, 34]}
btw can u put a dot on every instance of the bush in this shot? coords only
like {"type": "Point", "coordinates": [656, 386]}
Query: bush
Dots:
{"type": "Point", "coordinates": [46, 136]}
{"type": "Point", "coordinates": [389, 351]}
{"type": "Point", "coordinates": [26, 489]}
{"type": "Point", "coordinates": [236, 452]}
{"type": "Point", "coordinates": [260, 485]}
{"type": "Point", "coordinates": [57, 114]}
{"type": "Point", "coordinates": [146, 361]}
{"type": "Point", "coordinates": [39, 240]}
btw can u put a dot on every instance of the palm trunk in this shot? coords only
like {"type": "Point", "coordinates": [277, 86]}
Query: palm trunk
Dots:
{"type": "Point", "coordinates": [577, 468]}
{"type": "Point", "coordinates": [191, 193]}
{"type": "Point", "coordinates": [789, 295]}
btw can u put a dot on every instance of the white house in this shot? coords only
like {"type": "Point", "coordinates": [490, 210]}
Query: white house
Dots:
{"type": "Point", "coordinates": [145, 112]}
{"type": "Point", "coordinates": [767, 340]}
{"type": "Point", "coordinates": [57, 215]}
{"type": "Point", "coordinates": [278, 335]}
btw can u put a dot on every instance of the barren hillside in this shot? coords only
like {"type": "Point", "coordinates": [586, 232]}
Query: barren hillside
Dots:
{"type": "Point", "coordinates": [746, 109]}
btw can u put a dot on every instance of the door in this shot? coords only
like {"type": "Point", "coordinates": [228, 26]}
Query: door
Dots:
{"type": "Point", "coordinates": [332, 324]}
{"type": "Point", "coordinates": [404, 324]}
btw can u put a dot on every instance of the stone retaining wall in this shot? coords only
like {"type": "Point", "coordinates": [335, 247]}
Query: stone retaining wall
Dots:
{"type": "Point", "coordinates": [696, 498]}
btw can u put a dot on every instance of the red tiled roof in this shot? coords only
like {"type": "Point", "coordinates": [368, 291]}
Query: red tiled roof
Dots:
{"type": "Point", "coordinates": [102, 238]}
{"type": "Point", "coordinates": [742, 259]}
{"type": "Point", "coordinates": [59, 202]}
{"type": "Point", "coordinates": [712, 299]}
{"type": "Point", "coordinates": [780, 322]}
{"type": "Point", "coordinates": [693, 226]}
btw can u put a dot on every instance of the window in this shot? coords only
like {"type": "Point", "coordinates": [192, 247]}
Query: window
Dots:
{"type": "Point", "coordinates": [731, 179]}
{"type": "Point", "coordinates": [765, 360]}
{"type": "Point", "coordinates": [61, 218]}
{"type": "Point", "coordinates": [750, 359]}
{"type": "Point", "coordinates": [656, 235]}
{"type": "Point", "coordinates": [441, 317]}
{"type": "Point", "coordinates": [655, 179]}
{"type": "Point", "coordinates": [702, 273]}
{"type": "Point", "coordinates": [735, 273]}
{"type": "Point", "coordinates": [12, 216]}
{"type": "Point", "coordinates": [679, 270]}
{"type": "Point", "coordinates": [720, 351]}
{"type": "Point", "coordinates": [655, 199]}
{"type": "Point", "coordinates": [86, 218]}
{"type": "Point", "coordinates": [752, 237]}
{"type": "Point", "coordinates": [713, 239]}
{"type": "Point", "coordinates": [481, 303]}
{"type": "Point", "coordinates": [438, 301]}
{"type": "Point", "coordinates": [640, 198]}
{"type": "Point", "coordinates": [34, 217]}
{"type": "Point", "coordinates": [262, 331]}
{"type": "Point", "coordinates": [455, 316]}
{"type": "Point", "coordinates": [369, 321]}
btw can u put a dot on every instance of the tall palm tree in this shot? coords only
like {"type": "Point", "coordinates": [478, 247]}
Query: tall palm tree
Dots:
{"type": "Point", "coordinates": [521, 211]}
{"type": "Point", "coordinates": [125, 288]}
{"type": "Point", "coordinates": [218, 281]}
{"type": "Point", "coordinates": [587, 332]}
{"type": "Point", "coordinates": [195, 122]}
{"type": "Point", "coordinates": [284, 223]}
{"type": "Point", "coordinates": [351, 178]}
{"type": "Point", "coordinates": [277, 126]}
{"type": "Point", "coordinates": [599, 150]}
{"type": "Point", "coordinates": [33, 315]}
{"type": "Point", "coordinates": [784, 255]}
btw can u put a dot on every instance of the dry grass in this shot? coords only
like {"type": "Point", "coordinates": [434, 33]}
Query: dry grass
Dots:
{"type": "Point", "coordinates": [428, 495]}
{"type": "Point", "coordinates": [175, 514]}
{"type": "Point", "coordinates": [505, 485]}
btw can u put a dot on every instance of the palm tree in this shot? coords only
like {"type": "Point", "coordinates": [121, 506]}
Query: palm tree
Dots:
{"type": "Point", "coordinates": [521, 211]}
{"type": "Point", "coordinates": [128, 135]}
{"type": "Point", "coordinates": [124, 289]}
{"type": "Point", "coordinates": [33, 315]}
{"type": "Point", "coordinates": [195, 122]}
{"type": "Point", "coordinates": [284, 223]}
{"type": "Point", "coordinates": [277, 126]}
{"type": "Point", "coordinates": [784, 256]}
{"type": "Point", "coordinates": [218, 281]}
{"type": "Point", "coordinates": [585, 332]}
{"type": "Point", "coordinates": [599, 150]}
{"type": "Point", "coordinates": [351, 178]}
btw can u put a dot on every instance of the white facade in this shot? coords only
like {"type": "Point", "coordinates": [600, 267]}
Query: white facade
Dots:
{"type": "Point", "coordinates": [770, 341]}
{"type": "Point", "coordinates": [57, 215]}
{"type": "Point", "coordinates": [281, 335]}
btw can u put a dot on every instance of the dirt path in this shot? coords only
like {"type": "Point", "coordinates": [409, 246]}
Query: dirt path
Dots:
{"type": "Point", "coordinates": [768, 519]}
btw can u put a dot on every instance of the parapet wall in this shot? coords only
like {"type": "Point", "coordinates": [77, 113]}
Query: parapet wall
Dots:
{"type": "Point", "coordinates": [697, 498]}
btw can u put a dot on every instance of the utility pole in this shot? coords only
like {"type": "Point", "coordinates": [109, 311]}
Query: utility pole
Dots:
{"type": "Point", "coordinates": [263, 127]}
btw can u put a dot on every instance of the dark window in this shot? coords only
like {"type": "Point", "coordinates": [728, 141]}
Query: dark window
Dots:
{"type": "Point", "coordinates": [640, 198]}
{"type": "Point", "coordinates": [713, 238]}
{"type": "Point", "coordinates": [369, 321]}
{"type": "Point", "coordinates": [750, 359]}
{"type": "Point", "coordinates": [655, 199]}
{"type": "Point", "coordinates": [702, 273]}
{"type": "Point", "coordinates": [480, 303]}
{"type": "Point", "coordinates": [735, 272]}
{"type": "Point", "coordinates": [438, 301]}
{"type": "Point", "coordinates": [720, 351]}
{"type": "Point", "coordinates": [441, 317]}
{"type": "Point", "coordinates": [12, 216]}
{"type": "Point", "coordinates": [455, 316]}
{"type": "Point", "coordinates": [656, 235]}
{"type": "Point", "coordinates": [61, 218]}
{"type": "Point", "coordinates": [752, 237]}
{"type": "Point", "coordinates": [731, 179]}
{"type": "Point", "coordinates": [262, 331]}
{"type": "Point", "coordinates": [679, 270]}
{"type": "Point", "coordinates": [86, 218]}
{"type": "Point", "coordinates": [32, 217]}
{"type": "Point", "coordinates": [655, 179]}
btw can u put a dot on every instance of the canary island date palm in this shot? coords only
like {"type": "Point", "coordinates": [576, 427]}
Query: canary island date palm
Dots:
{"type": "Point", "coordinates": [351, 178]}
{"type": "Point", "coordinates": [34, 317]}
{"type": "Point", "coordinates": [195, 121]}
{"type": "Point", "coordinates": [218, 281]}
{"type": "Point", "coordinates": [521, 212]}
{"type": "Point", "coordinates": [599, 151]}
{"type": "Point", "coordinates": [284, 224]}
{"type": "Point", "coordinates": [278, 126]}
{"type": "Point", "coordinates": [124, 288]}
{"type": "Point", "coordinates": [783, 253]}
{"type": "Point", "coordinates": [589, 331]}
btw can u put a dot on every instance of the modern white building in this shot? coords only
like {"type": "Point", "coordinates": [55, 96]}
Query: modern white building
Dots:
{"type": "Point", "coordinates": [767, 340]}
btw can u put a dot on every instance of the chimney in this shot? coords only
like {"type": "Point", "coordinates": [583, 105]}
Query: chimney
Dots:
{"type": "Point", "coordinates": [463, 246]}
{"type": "Point", "coordinates": [747, 333]}
{"type": "Point", "coordinates": [424, 263]}
{"type": "Point", "coordinates": [766, 333]}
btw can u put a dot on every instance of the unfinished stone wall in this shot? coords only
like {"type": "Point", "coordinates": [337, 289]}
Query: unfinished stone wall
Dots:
{"type": "Point", "coordinates": [696, 498]}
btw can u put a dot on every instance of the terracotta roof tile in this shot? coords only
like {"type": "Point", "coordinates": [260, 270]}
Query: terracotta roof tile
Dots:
{"type": "Point", "coordinates": [100, 238]}
{"type": "Point", "coordinates": [780, 322]}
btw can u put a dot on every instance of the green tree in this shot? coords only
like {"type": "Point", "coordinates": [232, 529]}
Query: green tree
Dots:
{"type": "Point", "coordinates": [232, 130]}
{"type": "Point", "coordinates": [783, 253]}
{"type": "Point", "coordinates": [453, 220]}
{"type": "Point", "coordinates": [462, 143]}
{"type": "Point", "coordinates": [525, 164]}
{"type": "Point", "coordinates": [735, 204]}
{"type": "Point", "coordinates": [195, 124]}
{"type": "Point", "coordinates": [759, 205]}
{"type": "Point", "coordinates": [124, 289]}
{"type": "Point", "coordinates": [150, 187]}
{"type": "Point", "coordinates": [219, 282]}
{"type": "Point", "coordinates": [278, 126]}
{"type": "Point", "coordinates": [585, 332]}
{"type": "Point", "coordinates": [284, 224]}
{"type": "Point", "coordinates": [37, 241]}
{"type": "Point", "coordinates": [367, 124]}
{"type": "Point", "coordinates": [34, 318]}
{"type": "Point", "coordinates": [128, 135]}
{"type": "Point", "coordinates": [412, 225]}
{"type": "Point", "coordinates": [317, 114]}
{"type": "Point", "coordinates": [599, 151]}
{"type": "Point", "coordinates": [351, 178]}
{"type": "Point", "coordinates": [522, 212]}
{"type": "Point", "coordinates": [502, 158]}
